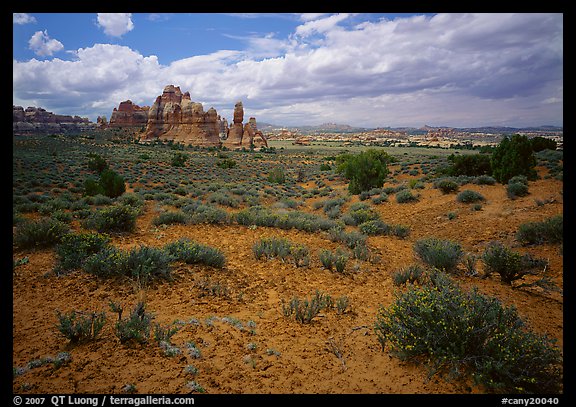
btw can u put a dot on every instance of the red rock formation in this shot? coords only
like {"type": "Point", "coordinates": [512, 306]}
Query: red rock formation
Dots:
{"type": "Point", "coordinates": [236, 130]}
{"type": "Point", "coordinates": [38, 120]}
{"type": "Point", "coordinates": [129, 115]}
{"type": "Point", "coordinates": [174, 116]}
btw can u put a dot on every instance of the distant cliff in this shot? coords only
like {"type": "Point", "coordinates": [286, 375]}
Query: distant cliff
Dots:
{"type": "Point", "coordinates": [35, 120]}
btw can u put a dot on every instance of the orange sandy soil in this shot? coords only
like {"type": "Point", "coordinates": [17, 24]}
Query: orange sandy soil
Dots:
{"type": "Point", "coordinates": [304, 355]}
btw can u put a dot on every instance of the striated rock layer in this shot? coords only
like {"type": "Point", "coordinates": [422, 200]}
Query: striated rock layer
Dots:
{"type": "Point", "coordinates": [36, 120]}
{"type": "Point", "coordinates": [173, 116]}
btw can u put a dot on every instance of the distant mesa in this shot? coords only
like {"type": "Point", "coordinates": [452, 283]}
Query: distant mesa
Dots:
{"type": "Point", "coordinates": [174, 116]}
{"type": "Point", "coordinates": [38, 120]}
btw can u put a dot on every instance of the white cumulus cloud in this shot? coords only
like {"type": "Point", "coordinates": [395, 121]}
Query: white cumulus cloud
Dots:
{"type": "Point", "coordinates": [22, 18]}
{"type": "Point", "coordinates": [115, 24]}
{"type": "Point", "coordinates": [43, 45]}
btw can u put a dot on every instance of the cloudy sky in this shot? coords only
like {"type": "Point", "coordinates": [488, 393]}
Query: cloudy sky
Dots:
{"type": "Point", "coordinates": [367, 70]}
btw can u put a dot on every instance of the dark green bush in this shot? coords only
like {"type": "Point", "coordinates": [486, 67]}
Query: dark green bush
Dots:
{"type": "Point", "coordinates": [540, 143]}
{"type": "Point", "coordinates": [442, 254]}
{"type": "Point", "coordinates": [469, 334]}
{"type": "Point", "coordinates": [226, 163]}
{"type": "Point", "coordinates": [470, 164]}
{"type": "Point", "coordinates": [365, 170]}
{"type": "Point", "coordinates": [147, 263]}
{"type": "Point", "coordinates": [97, 163]}
{"type": "Point", "coordinates": [179, 159]}
{"type": "Point", "coordinates": [112, 184]}
{"type": "Point", "coordinates": [277, 176]}
{"type": "Point", "coordinates": [45, 232]}
{"type": "Point", "coordinates": [549, 231]}
{"type": "Point", "coordinates": [513, 156]}
{"type": "Point", "coordinates": [169, 218]}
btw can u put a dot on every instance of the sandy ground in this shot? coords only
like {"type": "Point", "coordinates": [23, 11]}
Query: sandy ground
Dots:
{"type": "Point", "coordinates": [265, 352]}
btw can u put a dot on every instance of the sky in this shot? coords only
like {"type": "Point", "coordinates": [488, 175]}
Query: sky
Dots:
{"type": "Point", "coordinates": [293, 69]}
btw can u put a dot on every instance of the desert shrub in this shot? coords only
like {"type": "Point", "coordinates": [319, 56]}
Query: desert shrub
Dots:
{"type": "Point", "coordinates": [116, 218]}
{"type": "Point", "coordinates": [439, 253]}
{"type": "Point", "coordinates": [325, 167]}
{"type": "Point", "coordinates": [300, 254]}
{"type": "Point", "coordinates": [466, 333]}
{"type": "Point", "coordinates": [510, 265]}
{"type": "Point", "coordinates": [45, 232]}
{"type": "Point", "coordinates": [92, 187]}
{"type": "Point", "coordinates": [112, 184]}
{"type": "Point", "coordinates": [549, 231]}
{"type": "Point", "coordinates": [484, 180]}
{"type": "Point", "coordinates": [446, 185]}
{"type": "Point", "coordinates": [540, 143]}
{"type": "Point", "coordinates": [365, 170]}
{"type": "Point", "coordinates": [405, 196]}
{"type": "Point", "coordinates": [375, 227]}
{"type": "Point", "coordinates": [334, 260]}
{"type": "Point", "coordinates": [360, 213]}
{"type": "Point", "coordinates": [191, 252]}
{"type": "Point", "coordinates": [226, 163]}
{"type": "Point", "coordinates": [132, 200]}
{"type": "Point", "coordinates": [169, 218]}
{"type": "Point", "coordinates": [277, 176]}
{"type": "Point", "coordinates": [135, 328]}
{"type": "Point", "coordinates": [178, 159]}
{"type": "Point", "coordinates": [306, 309]}
{"type": "Point", "coordinates": [516, 189]}
{"type": "Point", "coordinates": [411, 274]}
{"type": "Point", "coordinates": [223, 199]}
{"type": "Point", "coordinates": [350, 239]}
{"type": "Point", "coordinates": [164, 333]}
{"type": "Point", "coordinates": [469, 196]}
{"type": "Point", "coordinates": [207, 214]}
{"type": "Point", "coordinates": [272, 247]}
{"type": "Point", "coordinates": [75, 248]}
{"type": "Point", "coordinates": [79, 326]}
{"type": "Point", "coordinates": [401, 231]}
{"type": "Point", "coordinates": [147, 263]}
{"type": "Point", "coordinates": [470, 164]}
{"type": "Point", "coordinates": [97, 163]}
{"type": "Point", "coordinates": [107, 262]}
{"type": "Point", "coordinates": [513, 156]}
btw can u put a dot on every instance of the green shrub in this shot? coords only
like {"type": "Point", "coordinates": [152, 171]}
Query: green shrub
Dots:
{"type": "Point", "coordinates": [307, 309]}
{"type": "Point", "coordinates": [375, 227]}
{"type": "Point", "coordinates": [540, 143]}
{"type": "Point", "coordinates": [190, 252]}
{"type": "Point", "coordinates": [510, 265]}
{"type": "Point", "coordinates": [169, 218]}
{"type": "Point", "coordinates": [470, 164]}
{"type": "Point", "coordinates": [470, 196]}
{"type": "Point", "coordinates": [179, 159]}
{"type": "Point", "coordinates": [73, 250]}
{"type": "Point", "coordinates": [135, 328]}
{"type": "Point", "coordinates": [112, 184]}
{"type": "Point", "coordinates": [447, 185]}
{"type": "Point", "coordinates": [92, 187]}
{"type": "Point", "coordinates": [442, 254]}
{"type": "Point", "coordinates": [42, 233]}
{"type": "Point", "coordinates": [365, 170]}
{"type": "Point", "coordinates": [277, 176]}
{"type": "Point", "coordinates": [513, 156]}
{"type": "Point", "coordinates": [97, 163]}
{"type": "Point", "coordinates": [549, 231]}
{"type": "Point", "coordinates": [411, 274]}
{"type": "Point", "coordinates": [79, 326]}
{"type": "Point", "coordinates": [226, 163]}
{"type": "Point", "coordinates": [116, 218]}
{"type": "Point", "coordinates": [516, 189]}
{"type": "Point", "coordinates": [147, 263]}
{"type": "Point", "coordinates": [467, 333]}
{"type": "Point", "coordinates": [405, 196]}
{"type": "Point", "coordinates": [360, 213]}
{"type": "Point", "coordinates": [107, 262]}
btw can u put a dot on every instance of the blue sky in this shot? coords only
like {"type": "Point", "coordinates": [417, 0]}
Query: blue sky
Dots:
{"type": "Point", "coordinates": [369, 70]}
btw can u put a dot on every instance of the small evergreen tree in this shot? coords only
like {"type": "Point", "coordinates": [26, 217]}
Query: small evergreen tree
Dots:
{"type": "Point", "coordinates": [364, 171]}
{"type": "Point", "coordinates": [513, 156]}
